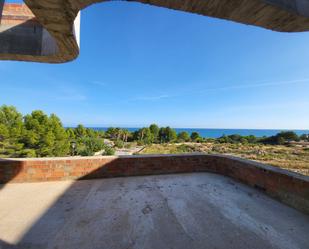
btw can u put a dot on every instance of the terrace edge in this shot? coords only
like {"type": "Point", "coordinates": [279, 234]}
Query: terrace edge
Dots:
{"type": "Point", "coordinates": [285, 186]}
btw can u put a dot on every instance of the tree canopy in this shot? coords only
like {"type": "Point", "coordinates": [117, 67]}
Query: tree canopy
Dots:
{"type": "Point", "coordinates": [40, 135]}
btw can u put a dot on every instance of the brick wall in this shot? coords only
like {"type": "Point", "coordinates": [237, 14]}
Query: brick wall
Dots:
{"type": "Point", "coordinates": [20, 32]}
{"type": "Point", "coordinates": [16, 9]}
{"type": "Point", "coordinates": [288, 187]}
{"type": "Point", "coordinates": [16, 14]}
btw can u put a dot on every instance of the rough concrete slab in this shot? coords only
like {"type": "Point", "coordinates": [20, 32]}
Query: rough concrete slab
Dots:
{"type": "Point", "coordinates": [198, 210]}
{"type": "Point", "coordinates": [61, 21]}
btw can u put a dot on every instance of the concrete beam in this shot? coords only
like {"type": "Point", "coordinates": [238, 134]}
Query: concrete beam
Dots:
{"type": "Point", "coordinates": [57, 23]}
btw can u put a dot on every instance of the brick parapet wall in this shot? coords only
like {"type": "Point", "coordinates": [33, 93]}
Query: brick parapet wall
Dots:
{"type": "Point", "coordinates": [14, 14]}
{"type": "Point", "coordinates": [13, 9]}
{"type": "Point", "coordinates": [288, 187]}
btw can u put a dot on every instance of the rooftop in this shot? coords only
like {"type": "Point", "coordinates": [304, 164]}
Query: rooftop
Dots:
{"type": "Point", "coordinates": [193, 210]}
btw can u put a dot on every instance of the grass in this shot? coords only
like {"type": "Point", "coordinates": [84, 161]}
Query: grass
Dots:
{"type": "Point", "coordinates": [293, 158]}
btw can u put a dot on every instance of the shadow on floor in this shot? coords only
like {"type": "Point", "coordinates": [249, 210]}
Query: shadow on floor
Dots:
{"type": "Point", "coordinates": [55, 223]}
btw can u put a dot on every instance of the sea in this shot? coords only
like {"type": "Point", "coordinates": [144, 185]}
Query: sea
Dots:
{"type": "Point", "coordinates": [216, 133]}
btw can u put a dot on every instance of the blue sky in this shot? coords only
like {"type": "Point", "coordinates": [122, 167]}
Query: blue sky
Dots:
{"type": "Point", "coordinates": [142, 64]}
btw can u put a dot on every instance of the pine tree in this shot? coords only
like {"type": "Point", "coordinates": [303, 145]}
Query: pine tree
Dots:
{"type": "Point", "coordinates": [11, 129]}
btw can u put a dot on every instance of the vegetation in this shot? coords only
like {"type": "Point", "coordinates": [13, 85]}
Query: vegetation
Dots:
{"type": "Point", "coordinates": [40, 135]}
{"type": "Point", "coordinates": [295, 158]}
{"type": "Point", "coordinates": [183, 137]}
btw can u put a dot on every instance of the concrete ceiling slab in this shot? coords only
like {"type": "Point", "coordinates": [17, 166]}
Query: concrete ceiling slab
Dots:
{"type": "Point", "coordinates": [58, 22]}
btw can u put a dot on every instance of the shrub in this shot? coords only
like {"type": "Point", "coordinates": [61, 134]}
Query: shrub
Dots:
{"type": "Point", "coordinates": [128, 145]}
{"type": "Point", "coordinates": [28, 153]}
{"type": "Point", "coordinates": [185, 148]}
{"type": "Point", "coordinates": [195, 136]}
{"type": "Point", "coordinates": [140, 143]}
{"type": "Point", "coordinates": [119, 144]}
{"type": "Point", "coordinates": [183, 137]}
{"type": "Point", "coordinates": [86, 152]}
{"type": "Point", "coordinates": [109, 151]}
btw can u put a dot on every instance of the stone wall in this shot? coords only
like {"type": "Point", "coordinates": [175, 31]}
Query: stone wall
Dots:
{"type": "Point", "coordinates": [288, 187]}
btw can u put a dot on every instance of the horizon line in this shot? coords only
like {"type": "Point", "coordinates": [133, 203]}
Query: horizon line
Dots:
{"type": "Point", "coordinates": [191, 128]}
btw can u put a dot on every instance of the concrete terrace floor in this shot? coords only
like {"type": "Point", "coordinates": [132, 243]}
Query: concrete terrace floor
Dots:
{"type": "Point", "coordinates": [198, 210]}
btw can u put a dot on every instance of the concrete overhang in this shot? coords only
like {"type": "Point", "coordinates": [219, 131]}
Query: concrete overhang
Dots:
{"type": "Point", "coordinates": [50, 33]}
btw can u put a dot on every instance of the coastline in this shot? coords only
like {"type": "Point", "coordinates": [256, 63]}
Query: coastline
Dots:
{"type": "Point", "coordinates": [216, 133]}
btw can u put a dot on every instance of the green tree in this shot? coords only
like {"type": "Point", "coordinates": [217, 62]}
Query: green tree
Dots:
{"type": "Point", "coordinates": [304, 137]}
{"type": "Point", "coordinates": [101, 133]}
{"type": "Point", "coordinates": [61, 144]}
{"type": "Point", "coordinates": [37, 135]}
{"type": "Point", "coordinates": [91, 133]}
{"type": "Point", "coordinates": [113, 133]}
{"type": "Point", "coordinates": [80, 131]}
{"type": "Point", "coordinates": [11, 130]}
{"type": "Point", "coordinates": [154, 129]}
{"type": "Point", "coordinates": [183, 136]}
{"type": "Point", "coordinates": [145, 136]}
{"type": "Point", "coordinates": [171, 135]}
{"type": "Point", "coordinates": [251, 139]}
{"type": "Point", "coordinates": [119, 144]}
{"type": "Point", "coordinates": [45, 135]}
{"type": "Point", "coordinates": [162, 135]}
{"type": "Point", "coordinates": [195, 136]}
{"type": "Point", "coordinates": [11, 122]}
{"type": "Point", "coordinates": [108, 151]}
{"type": "Point", "coordinates": [224, 139]}
{"type": "Point", "coordinates": [87, 146]}
{"type": "Point", "coordinates": [243, 140]}
{"type": "Point", "coordinates": [148, 137]}
{"type": "Point", "coordinates": [70, 133]}
{"type": "Point", "coordinates": [288, 135]}
{"type": "Point", "coordinates": [281, 138]}
{"type": "Point", "coordinates": [235, 138]}
{"type": "Point", "coordinates": [125, 135]}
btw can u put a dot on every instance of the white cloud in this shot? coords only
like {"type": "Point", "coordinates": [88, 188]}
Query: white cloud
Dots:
{"type": "Point", "coordinates": [189, 92]}
{"type": "Point", "coordinates": [287, 105]}
{"type": "Point", "coordinates": [257, 85]}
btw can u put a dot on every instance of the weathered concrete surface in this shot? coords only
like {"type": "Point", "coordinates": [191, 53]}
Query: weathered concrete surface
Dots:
{"type": "Point", "coordinates": [61, 19]}
{"type": "Point", "coordinates": [172, 211]}
{"type": "Point", "coordinates": [285, 186]}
